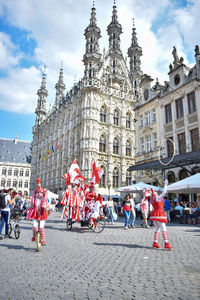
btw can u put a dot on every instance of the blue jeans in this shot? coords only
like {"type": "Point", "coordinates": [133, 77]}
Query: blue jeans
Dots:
{"type": "Point", "coordinates": [132, 219]}
{"type": "Point", "coordinates": [110, 213]}
{"type": "Point", "coordinates": [127, 216]}
{"type": "Point", "coordinates": [4, 219]}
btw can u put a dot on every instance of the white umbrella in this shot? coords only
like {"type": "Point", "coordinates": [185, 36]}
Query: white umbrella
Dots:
{"type": "Point", "coordinates": [189, 185]}
{"type": "Point", "coordinates": [138, 187]}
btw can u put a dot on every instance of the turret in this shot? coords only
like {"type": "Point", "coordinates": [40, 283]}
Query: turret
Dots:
{"type": "Point", "coordinates": [60, 88]}
{"type": "Point", "coordinates": [92, 56]}
{"type": "Point", "coordinates": [41, 103]}
{"type": "Point", "coordinates": [197, 56]}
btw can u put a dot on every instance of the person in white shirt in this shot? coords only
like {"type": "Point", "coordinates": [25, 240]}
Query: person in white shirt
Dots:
{"type": "Point", "coordinates": [5, 213]}
{"type": "Point", "coordinates": [110, 206]}
{"type": "Point", "coordinates": [132, 216]}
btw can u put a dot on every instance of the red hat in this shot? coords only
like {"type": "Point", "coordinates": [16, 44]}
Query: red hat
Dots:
{"type": "Point", "coordinates": [38, 180]}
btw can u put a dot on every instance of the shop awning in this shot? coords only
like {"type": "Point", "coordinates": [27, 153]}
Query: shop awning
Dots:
{"type": "Point", "coordinates": [180, 160]}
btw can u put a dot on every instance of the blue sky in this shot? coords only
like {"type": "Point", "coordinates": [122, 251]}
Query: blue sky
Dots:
{"type": "Point", "coordinates": [35, 33]}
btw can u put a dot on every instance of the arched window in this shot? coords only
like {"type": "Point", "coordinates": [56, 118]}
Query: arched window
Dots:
{"type": "Point", "coordinates": [10, 172]}
{"type": "Point", "coordinates": [15, 172]}
{"type": "Point", "coordinates": [3, 182]}
{"type": "Point", "coordinates": [15, 183]}
{"type": "Point", "coordinates": [20, 183]}
{"type": "Point", "coordinates": [9, 183]}
{"type": "Point", "coordinates": [103, 113]}
{"type": "Point", "coordinates": [26, 184]}
{"type": "Point", "coordinates": [128, 148]}
{"type": "Point", "coordinates": [171, 177]}
{"type": "Point", "coordinates": [183, 174]}
{"type": "Point", "coordinates": [116, 117]}
{"type": "Point", "coordinates": [116, 146]}
{"type": "Point", "coordinates": [102, 143]}
{"type": "Point", "coordinates": [4, 171]}
{"type": "Point", "coordinates": [102, 182]}
{"type": "Point", "coordinates": [21, 173]}
{"type": "Point", "coordinates": [128, 120]}
{"type": "Point", "coordinates": [128, 177]}
{"type": "Point", "coordinates": [27, 173]}
{"type": "Point", "coordinates": [115, 177]}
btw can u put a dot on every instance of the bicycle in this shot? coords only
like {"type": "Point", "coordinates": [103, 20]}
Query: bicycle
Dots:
{"type": "Point", "coordinates": [14, 227]}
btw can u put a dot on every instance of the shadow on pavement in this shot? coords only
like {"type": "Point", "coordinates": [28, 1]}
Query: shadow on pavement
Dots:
{"type": "Point", "coordinates": [18, 247]}
{"type": "Point", "coordinates": [123, 245]}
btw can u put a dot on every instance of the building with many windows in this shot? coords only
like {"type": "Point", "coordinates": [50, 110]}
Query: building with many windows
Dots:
{"type": "Point", "coordinates": [15, 165]}
{"type": "Point", "coordinates": [168, 124]}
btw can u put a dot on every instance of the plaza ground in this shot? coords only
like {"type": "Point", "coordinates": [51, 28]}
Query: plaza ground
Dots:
{"type": "Point", "coordinates": [115, 264]}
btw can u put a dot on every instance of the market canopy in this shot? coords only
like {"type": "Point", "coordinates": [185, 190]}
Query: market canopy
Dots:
{"type": "Point", "coordinates": [52, 195]}
{"type": "Point", "coordinates": [138, 187]}
{"type": "Point", "coordinates": [189, 185]}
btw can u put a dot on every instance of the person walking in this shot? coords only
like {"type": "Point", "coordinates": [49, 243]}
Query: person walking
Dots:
{"type": "Point", "coordinates": [167, 207]}
{"type": "Point", "coordinates": [144, 206]}
{"type": "Point", "coordinates": [5, 212]}
{"type": "Point", "coordinates": [126, 208]}
{"type": "Point", "coordinates": [132, 214]}
{"type": "Point", "coordinates": [159, 218]}
{"type": "Point", "coordinates": [110, 206]}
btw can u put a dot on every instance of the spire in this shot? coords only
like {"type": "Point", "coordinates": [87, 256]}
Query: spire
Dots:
{"type": "Point", "coordinates": [114, 30]}
{"type": "Point", "coordinates": [92, 56]}
{"type": "Point", "coordinates": [135, 52]}
{"type": "Point", "coordinates": [60, 87]}
{"type": "Point", "coordinates": [41, 103]}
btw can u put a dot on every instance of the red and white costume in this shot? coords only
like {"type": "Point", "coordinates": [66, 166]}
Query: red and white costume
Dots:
{"type": "Point", "coordinates": [158, 217]}
{"type": "Point", "coordinates": [38, 210]}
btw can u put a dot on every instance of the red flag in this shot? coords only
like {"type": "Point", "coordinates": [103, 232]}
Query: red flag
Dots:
{"type": "Point", "coordinates": [57, 146]}
{"type": "Point", "coordinates": [97, 173]}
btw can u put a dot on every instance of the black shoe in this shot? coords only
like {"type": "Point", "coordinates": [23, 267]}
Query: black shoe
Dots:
{"type": "Point", "coordinates": [1, 238]}
{"type": "Point", "coordinates": [7, 236]}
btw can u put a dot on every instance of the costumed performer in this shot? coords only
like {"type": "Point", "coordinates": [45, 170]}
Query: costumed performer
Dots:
{"type": "Point", "coordinates": [159, 218]}
{"type": "Point", "coordinates": [39, 210]}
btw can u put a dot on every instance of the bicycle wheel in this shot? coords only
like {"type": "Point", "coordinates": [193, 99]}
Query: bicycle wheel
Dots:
{"type": "Point", "coordinates": [9, 229]}
{"type": "Point", "coordinates": [69, 224]}
{"type": "Point", "coordinates": [17, 231]}
{"type": "Point", "coordinates": [98, 224]}
{"type": "Point", "coordinates": [38, 241]}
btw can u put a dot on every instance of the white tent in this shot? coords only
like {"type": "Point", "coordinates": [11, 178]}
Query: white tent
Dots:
{"type": "Point", "coordinates": [52, 195]}
{"type": "Point", "coordinates": [189, 185]}
{"type": "Point", "coordinates": [138, 187]}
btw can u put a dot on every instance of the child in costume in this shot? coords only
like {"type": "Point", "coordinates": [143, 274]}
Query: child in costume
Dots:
{"type": "Point", "coordinates": [39, 210]}
{"type": "Point", "coordinates": [159, 218]}
{"type": "Point", "coordinates": [144, 206]}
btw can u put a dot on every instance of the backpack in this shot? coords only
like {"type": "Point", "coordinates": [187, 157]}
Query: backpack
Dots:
{"type": "Point", "coordinates": [2, 201]}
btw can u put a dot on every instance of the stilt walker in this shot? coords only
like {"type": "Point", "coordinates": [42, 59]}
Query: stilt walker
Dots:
{"type": "Point", "coordinates": [159, 218]}
{"type": "Point", "coordinates": [39, 210]}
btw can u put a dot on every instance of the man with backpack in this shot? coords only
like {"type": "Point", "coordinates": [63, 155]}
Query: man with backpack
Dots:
{"type": "Point", "coordinates": [5, 202]}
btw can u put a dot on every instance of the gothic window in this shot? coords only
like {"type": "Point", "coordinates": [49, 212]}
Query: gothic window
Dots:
{"type": "Point", "coordinates": [102, 143]}
{"type": "Point", "coordinates": [170, 147]}
{"type": "Point", "coordinates": [87, 132]}
{"type": "Point", "coordinates": [20, 183]}
{"type": "Point", "coordinates": [21, 173]}
{"type": "Point", "coordinates": [116, 117]}
{"type": "Point", "coordinates": [195, 139]}
{"type": "Point", "coordinates": [4, 171]}
{"type": "Point", "coordinates": [191, 103]}
{"type": "Point", "coordinates": [3, 182]}
{"type": "Point", "coordinates": [15, 183]}
{"type": "Point", "coordinates": [116, 146]}
{"type": "Point", "coordinates": [168, 113]}
{"type": "Point", "coordinates": [128, 178]}
{"type": "Point", "coordinates": [102, 182]}
{"type": "Point", "coordinates": [179, 108]}
{"type": "Point", "coordinates": [103, 114]}
{"type": "Point", "coordinates": [27, 173]}
{"type": "Point", "coordinates": [115, 177]}
{"type": "Point", "coordinates": [128, 120]}
{"type": "Point", "coordinates": [9, 172]}
{"type": "Point", "coordinates": [181, 143]}
{"type": "Point", "coordinates": [171, 177]}
{"type": "Point", "coordinates": [15, 172]}
{"type": "Point", "coordinates": [128, 148]}
{"type": "Point", "coordinates": [9, 183]}
{"type": "Point", "coordinates": [26, 184]}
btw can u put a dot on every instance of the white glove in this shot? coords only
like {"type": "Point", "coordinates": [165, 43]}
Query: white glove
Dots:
{"type": "Point", "coordinates": [166, 182]}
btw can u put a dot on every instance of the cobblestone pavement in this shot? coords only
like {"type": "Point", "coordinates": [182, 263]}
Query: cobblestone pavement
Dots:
{"type": "Point", "coordinates": [115, 264]}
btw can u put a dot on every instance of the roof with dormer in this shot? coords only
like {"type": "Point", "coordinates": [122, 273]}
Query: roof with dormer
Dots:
{"type": "Point", "coordinates": [15, 151]}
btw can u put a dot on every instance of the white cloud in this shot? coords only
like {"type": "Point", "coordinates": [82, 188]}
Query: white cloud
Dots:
{"type": "Point", "coordinates": [58, 28]}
